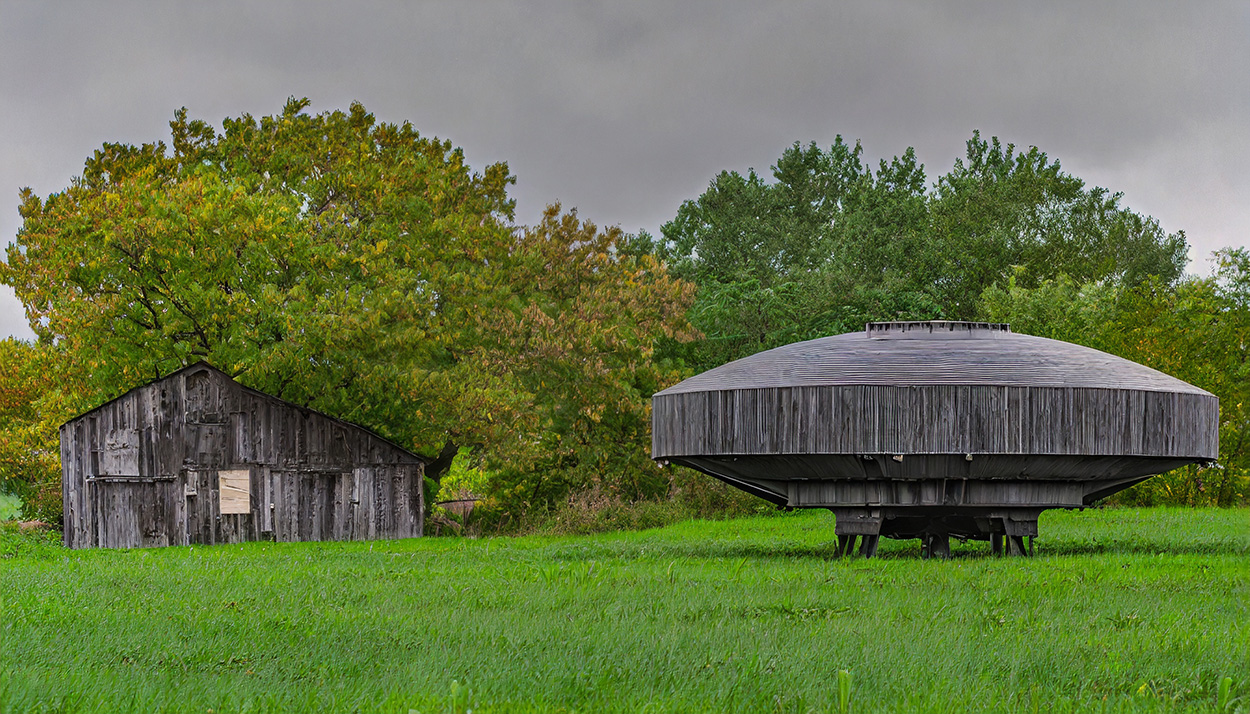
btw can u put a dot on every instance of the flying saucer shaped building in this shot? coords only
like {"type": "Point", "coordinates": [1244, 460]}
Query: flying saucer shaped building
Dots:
{"type": "Point", "coordinates": [934, 429]}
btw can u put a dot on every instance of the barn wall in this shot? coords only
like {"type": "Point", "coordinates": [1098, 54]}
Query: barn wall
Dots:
{"type": "Point", "coordinates": [124, 458]}
{"type": "Point", "coordinates": [935, 419]}
{"type": "Point", "coordinates": [144, 470]}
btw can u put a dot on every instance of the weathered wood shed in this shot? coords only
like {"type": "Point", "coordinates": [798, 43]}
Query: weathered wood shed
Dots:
{"type": "Point", "coordinates": [934, 429]}
{"type": "Point", "coordinates": [196, 457]}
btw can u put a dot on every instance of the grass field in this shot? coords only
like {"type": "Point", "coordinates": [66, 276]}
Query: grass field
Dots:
{"type": "Point", "coordinates": [1122, 610]}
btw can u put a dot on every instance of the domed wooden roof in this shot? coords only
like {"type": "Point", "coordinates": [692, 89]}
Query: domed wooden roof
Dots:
{"type": "Point", "coordinates": [934, 353]}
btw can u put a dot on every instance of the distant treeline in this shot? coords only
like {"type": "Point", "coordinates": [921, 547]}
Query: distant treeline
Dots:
{"type": "Point", "coordinates": [366, 271]}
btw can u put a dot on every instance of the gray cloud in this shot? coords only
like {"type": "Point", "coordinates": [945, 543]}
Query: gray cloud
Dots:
{"type": "Point", "coordinates": [626, 109]}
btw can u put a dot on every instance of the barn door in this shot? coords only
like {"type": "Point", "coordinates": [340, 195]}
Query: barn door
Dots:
{"type": "Point", "coordinates": [135, 512]}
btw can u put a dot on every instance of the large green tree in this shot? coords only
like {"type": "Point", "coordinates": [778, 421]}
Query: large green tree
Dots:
{"type": "Point", "coordinates": [830, 242]}
{"type": "Point", "coordinates": [999, 208]}
{"type": "Point", "coordinates": [36, 397]}
{"type": "Point", "coordinates": [343, 263]}
{"type": "Point", "coordinates": [579, 332]}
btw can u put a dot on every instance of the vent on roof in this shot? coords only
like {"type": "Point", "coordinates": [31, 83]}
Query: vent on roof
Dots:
{"type": "Point", "coordinates": [921, 329]}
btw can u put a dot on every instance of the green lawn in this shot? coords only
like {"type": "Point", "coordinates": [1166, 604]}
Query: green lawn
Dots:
{"type": "Point", "coordinates": [1122, 610]}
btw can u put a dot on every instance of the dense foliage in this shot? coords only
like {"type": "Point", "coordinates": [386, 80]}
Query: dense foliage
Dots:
{"type": "Point", "coordinates": [361, 269]}
{"type": "Point", "coordinates": [34, 401]}
{"type": "Point", "coordinates": [830, 243]}
{"type": "Point", "coordinates": [577, 332]}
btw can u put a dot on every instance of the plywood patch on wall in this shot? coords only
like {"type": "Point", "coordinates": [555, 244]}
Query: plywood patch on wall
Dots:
{"type": "Point", "coordinates": [235, 491]}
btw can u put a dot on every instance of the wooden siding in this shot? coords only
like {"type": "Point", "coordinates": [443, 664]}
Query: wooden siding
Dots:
{"type": "Point", "coordinates": [935, 419]}
{"type": "Point", "coordinates": [144, 470]}
{"type": "Point", "coordinates": [934, 428]}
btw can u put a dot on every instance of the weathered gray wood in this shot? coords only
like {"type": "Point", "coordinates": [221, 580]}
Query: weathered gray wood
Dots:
{"type": "Point", "coordinates": [146, 470]}
{"type": "Point", "coordinates": [915, 354]}
{"type": "Point", "coordinates": [935, 388]}
{"type": "Point", "coordinates": [868, 546]}
{"type": "Point", "coordinates": [1015, 545]}
{"type": "Point", "coordinates": [935, 420]}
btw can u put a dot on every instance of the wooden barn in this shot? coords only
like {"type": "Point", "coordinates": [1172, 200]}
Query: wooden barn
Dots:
{"type": "Point", "coordinates": [197, 458]}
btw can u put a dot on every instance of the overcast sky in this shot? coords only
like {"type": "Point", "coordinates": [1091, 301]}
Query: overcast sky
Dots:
{"type": "Point", "coordinates": [625, 109]}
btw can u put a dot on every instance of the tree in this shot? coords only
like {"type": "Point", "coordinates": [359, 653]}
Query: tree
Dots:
{"type": "Point", "coordinates": [578, 331]}
{"type": "Point", "coordinates": [825, 246]}
{"type": "Point", "coordinates": [1057, 308]}
{"type": "Point", "coordinates": [353, 266]}
{"type": "Point", "coordinates": [1197, 329]}
{"type": "Point", "coordinates": [831, 243]}
{"type": "Point", "coordinates": [745, 229]}
{"type": "Point", "coordinates": [35, 399]}
{"type": "Point", "coordinates": [1001, 208]}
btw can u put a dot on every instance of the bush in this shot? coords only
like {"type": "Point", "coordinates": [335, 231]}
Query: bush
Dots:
{"type": "Point", "coordinates": [10, 507]}
{"type": "Point", "coordinates": [601, 508]}
{"type": "Point", "coordinates": [1200, 486]}
{"type": "Point", "coordinates": [16, 540]}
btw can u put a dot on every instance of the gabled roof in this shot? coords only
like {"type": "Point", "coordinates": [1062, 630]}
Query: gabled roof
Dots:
{"type": "Point", "coordinates": [204, 365]}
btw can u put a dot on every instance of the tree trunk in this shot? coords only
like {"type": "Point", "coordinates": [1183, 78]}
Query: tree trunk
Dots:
{"type": "Point", "coordinates": [436, 469]}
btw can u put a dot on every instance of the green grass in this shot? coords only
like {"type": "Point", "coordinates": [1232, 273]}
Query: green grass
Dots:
{"type": "Point", "coordinates": [1122, 610]}
{"type": "Point", "coordinates": [10, 506]}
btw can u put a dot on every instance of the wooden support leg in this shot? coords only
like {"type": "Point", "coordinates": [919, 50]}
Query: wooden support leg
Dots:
{"type": "Point", "coordinates": [941, 547]}
{"type": "Point", "coordinates": [996, 543]}
{"type": "Point", "coordinates": [868, 545]}
{"type": "Point", "coordinates": [1019, 526]}
{"type": "Point", "coordinates": [846, 545]}
{"type": "Point", "coordinates": [936, 545]}
{"type": "Point", "coordinates": [1015, 545]}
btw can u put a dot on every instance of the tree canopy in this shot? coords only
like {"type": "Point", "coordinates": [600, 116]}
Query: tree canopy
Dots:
{"type": "Point", "coordinates": [831, 242]}
{"type": "Point", "coordinates": [349, 265]}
